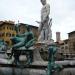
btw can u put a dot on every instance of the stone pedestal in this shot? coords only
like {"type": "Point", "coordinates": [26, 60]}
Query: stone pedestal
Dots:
{"type": "Point", "coordinates": [36, 55]}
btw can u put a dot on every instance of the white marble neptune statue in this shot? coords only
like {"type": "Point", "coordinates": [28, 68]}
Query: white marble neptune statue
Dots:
{"type": "Point", "coordinates": [45, 32]}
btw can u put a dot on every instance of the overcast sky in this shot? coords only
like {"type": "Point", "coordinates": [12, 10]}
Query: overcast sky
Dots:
{"type": "Point", "coordinates": [28, 11]}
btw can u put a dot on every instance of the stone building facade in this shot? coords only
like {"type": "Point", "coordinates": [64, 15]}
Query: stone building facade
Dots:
{"type": "Point", "coordinates": [66, 48]}
{"type": "Point", "coordinates": [63, 49]}
{"type": "Point", "coordinates": [22, 29]}
{"type": "Point", "coordinates": [7, 30]}
{"type": "Point", "coordinates": [71, 37]}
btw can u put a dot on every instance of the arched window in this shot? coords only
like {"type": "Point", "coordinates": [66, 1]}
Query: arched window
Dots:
{"type": "Point", "coordinates": [8, 34]}
{"type": "Point", "coordinates": [3, 34]}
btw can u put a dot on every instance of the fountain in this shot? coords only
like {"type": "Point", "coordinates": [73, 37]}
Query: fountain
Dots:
{"type": "Point", "coordinates": [32, 63]}
{"type": "Point", "coordinates": [24, 44]}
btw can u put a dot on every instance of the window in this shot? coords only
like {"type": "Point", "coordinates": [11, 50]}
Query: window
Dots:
{"type": "Point", "coordinates": [3, 27]}
{"type": "Point", "coordinates": [8, 34]}
{"type": "Point", "coordinates": [62, 47]}
{"type": "Point", "coordinates": [7, 42]}
{"type": "Point", "coordinates": [7, 27]}
{"type": "Point", "coordinates": [66, 47]}
{"type": "Point", "coordinates": [66, 42]}
{"type": "Point", "coordinates": [10, 28]}
{"type": "Point", "coordinates": [0, 35]}
{"type": "Point", "coordinates": [3, 34]}
{"type": "Point", "coordinates": [13, 34]}
{"type": "Point", "coordinates": [74, 45]}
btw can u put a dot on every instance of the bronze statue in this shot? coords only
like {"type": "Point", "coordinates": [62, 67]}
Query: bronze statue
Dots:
{"type": "Point", "coordinates": [3, 45]}
{"type": "Point", "coordinates": [25, 40]}
{"type": "Point", "coordinates": [52, 66]}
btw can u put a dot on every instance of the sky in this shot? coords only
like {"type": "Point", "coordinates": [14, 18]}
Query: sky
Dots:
{"type": "Point", "coordinates": [62, 13]}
